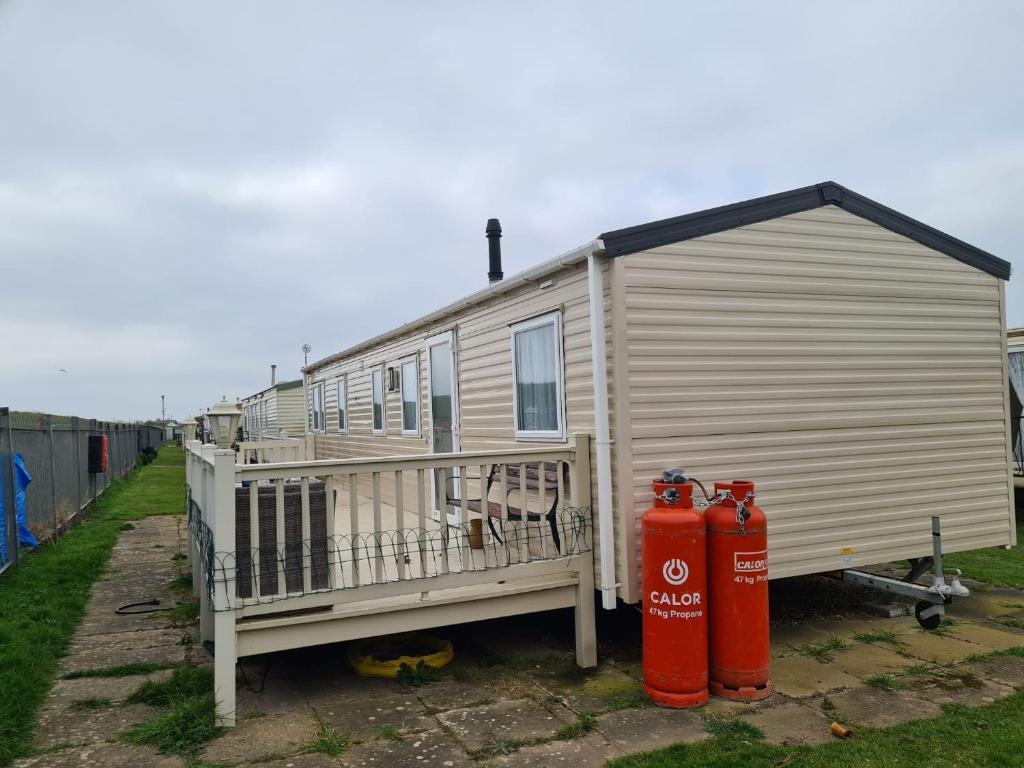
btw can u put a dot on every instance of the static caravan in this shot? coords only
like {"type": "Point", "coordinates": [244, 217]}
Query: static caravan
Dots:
{"type": "Point", "coordinates": [276, 411]}
{"type": "Point", "coordinates": [1015, 350]}
{"type": "Point", "coordinates": [848, 359]}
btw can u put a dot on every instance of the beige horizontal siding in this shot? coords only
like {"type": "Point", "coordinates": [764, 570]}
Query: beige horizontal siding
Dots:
{"type": "Point", "coordinates": [290, 413]}
{"type": "Point", "coordinates": [484, 363]}
{"type": "Point", "coordinates": [265, 404]}
{"type": "Point", "coordinates": [856, 376]}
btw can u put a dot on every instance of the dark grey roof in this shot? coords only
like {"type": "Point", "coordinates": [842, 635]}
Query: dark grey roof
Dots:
{"type": "Point", "coordinates": [620, 242]}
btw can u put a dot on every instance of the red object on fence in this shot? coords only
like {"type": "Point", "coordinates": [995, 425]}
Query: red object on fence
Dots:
{"type": "Point", "coordinates": [675, 634]}
{"type": "Point", "coordinates": [739, 652]}
{"type": "Point", "coordinates": [99, 452]}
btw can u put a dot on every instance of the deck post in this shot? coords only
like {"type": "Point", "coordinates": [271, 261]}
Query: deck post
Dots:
{"type": "Point", "coordinates": [586, 631]}
{"type": "Point", "coordinates": [224, 641]}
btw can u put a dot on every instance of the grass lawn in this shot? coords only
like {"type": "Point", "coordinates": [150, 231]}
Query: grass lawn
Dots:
{"type": "Point", "coordinates": [986, 736]}
{"type": "Point", "coordinates": [43, 600]}
{"type": "Point", "coordinates": [1004, 567]}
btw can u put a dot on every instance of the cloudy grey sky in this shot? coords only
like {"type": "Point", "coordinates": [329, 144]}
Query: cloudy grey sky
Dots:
{"type": "Point", "coordinates": [190, 191]}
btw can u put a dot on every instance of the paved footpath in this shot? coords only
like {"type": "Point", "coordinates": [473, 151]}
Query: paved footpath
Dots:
{"type": "Point", "coordinates": [513, 695]}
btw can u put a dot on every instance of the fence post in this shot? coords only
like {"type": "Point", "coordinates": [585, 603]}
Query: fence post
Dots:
{"type": "Point", "coordinates": [48, 420]}
{"type": "Point", "coordinates": [224, 640]}
{"type": "Point", "coordinates": [92, 477]}
{"type": "Point", "coordinates": [9, 490]}
{"type": "Point", "coordinates": [76, 436]}
{"type": "Point", "coordinates": [585, 620]}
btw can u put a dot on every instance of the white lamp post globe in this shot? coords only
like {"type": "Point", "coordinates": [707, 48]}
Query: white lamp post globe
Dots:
{"type": "Point", "coordinates": [223, 418]}
{"type": "Point", "coordinates": [188, 429]}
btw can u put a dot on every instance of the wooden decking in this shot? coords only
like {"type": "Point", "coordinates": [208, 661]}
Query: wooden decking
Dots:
{"type": "Point", "coordinates": [398, 553]}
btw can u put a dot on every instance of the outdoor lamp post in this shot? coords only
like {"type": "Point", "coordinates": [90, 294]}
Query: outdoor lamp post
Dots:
{"type": "Point", "coordinates": [223, 420]}
{"type": "Point", "coordinates": [188, 429]}
{"type": "Point", "coordinates": [306, 349]}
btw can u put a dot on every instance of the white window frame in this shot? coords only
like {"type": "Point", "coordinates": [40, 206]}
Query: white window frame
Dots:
{"type": "Point", "coordinates": [341, 386]}
{"type": "Point", "coordinates": [379, 371]}
{"type": "Point", "coordinates": [554, 319]}
{"type": "Point", "coordinates": [317, 392]}
{"type": "Point", "coordinates": [415, 360]}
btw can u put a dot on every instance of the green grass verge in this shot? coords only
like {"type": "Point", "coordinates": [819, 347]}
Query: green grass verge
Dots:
{"type": "Point", "coordinates": [43, 600]}
{"type": "Point", "coordinates": [188, 724]}
{"type": "Point", "coordinates": [983, 736]}
{"type": "Point", "coordinates": [184, 683]}
{"type": "Point", "coordinates": [1003, 567]}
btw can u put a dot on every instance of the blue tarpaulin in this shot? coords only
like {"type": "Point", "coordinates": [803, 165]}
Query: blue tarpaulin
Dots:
{"type": "Point", "coordinates": [21, 481]}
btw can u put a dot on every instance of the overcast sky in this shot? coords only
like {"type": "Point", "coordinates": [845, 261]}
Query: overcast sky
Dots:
{"type": "Point", "coordinates": [191, 191]}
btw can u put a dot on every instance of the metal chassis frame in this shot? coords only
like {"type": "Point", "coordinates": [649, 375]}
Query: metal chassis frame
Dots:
{"type": "Point", "coordinates": [939, 594]}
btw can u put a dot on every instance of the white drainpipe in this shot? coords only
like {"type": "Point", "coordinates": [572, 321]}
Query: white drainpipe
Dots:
{"type": "Point", "coordinates": [602, 445]}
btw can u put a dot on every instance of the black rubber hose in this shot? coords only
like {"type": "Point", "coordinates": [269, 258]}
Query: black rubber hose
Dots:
{"type": "Point", "coordinates": [153, 601]}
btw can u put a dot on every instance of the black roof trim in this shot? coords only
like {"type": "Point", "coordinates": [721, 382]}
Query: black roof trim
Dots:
{"type": "Point", "coordinates": [621, 242]}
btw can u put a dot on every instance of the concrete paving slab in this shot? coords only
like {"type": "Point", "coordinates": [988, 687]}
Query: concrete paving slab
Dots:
{"type": "Point", "coordinates": [863, 660]}
{"type": "Point", "coordinates": [941, 649]}
{"type": "Point", "coordinates": [277, 697]}
{"type": "Point", "coordinates": [785, 637]}
{"type": "Point", "coordinates": [959, 686]}
{"type": "Point", "coordinates": [848, 627]}
{"type": "Point", "coordinates": [717, 707]}
{"type": "Point", "coordinates": [638, 730]}
{"type": "Point", "coordinates": [454, 694]}
{"type": "Point", "coordinates": [124, 641]}
{"type": "Point", "coordinates": [592, 751]}
{"type": "Point", "coordinates": [309, 760]}
{"type": "Point", "coordinates": [312, 760]}
{"type": "Point", "coordinates": [361, 718]}
{"type": "Point", "coordinates": [879, 708]}
{"type": "Point", "coordinates": [262, 738]}
{"type": "Point", "coordinates": [799, 676]}
{"type": "Point", "coordinates": [507, 721]}
{"type": "Point", "coordinates": [588, 690]}
{"type": "Point", "coordinates": [431, 748]}
{"type": "Point", "coordinates": [65, 692]}
{"type": "Point", "coordinates": [990, 638]}
{"type": "Point", "coordinates": [131, 590]}
{"type": "Point", "coordinates": [1002, 669]}
{"type": "Point", "coordinates": [102, 656]}
{"type": "Point", "coordinates": [102, 756]}
{"type": "Point", "coordinates": [983, 604]}
{"type": "Point", "coordinates": [63, 724]}
{"type": "Point", "coordinates": [792, 723]}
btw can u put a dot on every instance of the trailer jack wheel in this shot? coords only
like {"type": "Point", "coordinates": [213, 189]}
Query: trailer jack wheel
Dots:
{"type": "Point", "coordinates": [928, 615]}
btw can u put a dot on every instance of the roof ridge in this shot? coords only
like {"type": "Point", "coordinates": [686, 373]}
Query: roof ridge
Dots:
{"type": "Point", "coordinates": [621, 242]}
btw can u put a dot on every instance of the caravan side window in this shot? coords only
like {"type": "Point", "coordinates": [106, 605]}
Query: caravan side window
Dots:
{"type": "Point", "coordinates": [342, 403]}
{"type": "Point", "coordinates": [318, 406]}
{"type": "Point", "coordinates": [377, 397]}
{"type": "Point", "coordinates": [411, 396]}
{"type": "Point", "coordinates": [538, 394]}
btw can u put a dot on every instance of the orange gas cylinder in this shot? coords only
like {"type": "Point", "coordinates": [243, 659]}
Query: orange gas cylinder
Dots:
{"type": "Point", "coordinates": [675, 644]}
{"type": "Point", "coordinates": [738, 650]}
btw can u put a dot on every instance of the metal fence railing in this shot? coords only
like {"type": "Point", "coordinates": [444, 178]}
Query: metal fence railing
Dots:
{"type": "Point", "coordinates": [55, 452]}
{"type": "Point", "coordinates": [1018, 448]}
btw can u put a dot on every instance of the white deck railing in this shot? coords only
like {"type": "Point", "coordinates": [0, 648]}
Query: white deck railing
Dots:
{"type": "Point", "coordinates": [273, 450]}
{"type": "Point", "coordinates": [382, 544]}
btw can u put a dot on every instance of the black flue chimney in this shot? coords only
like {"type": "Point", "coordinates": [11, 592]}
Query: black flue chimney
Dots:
{"type": "Point", "coordinates": [494, 250]}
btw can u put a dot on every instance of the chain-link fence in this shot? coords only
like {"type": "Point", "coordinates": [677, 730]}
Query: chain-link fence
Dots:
{"type": "Point", "coordinates": [55, 453]}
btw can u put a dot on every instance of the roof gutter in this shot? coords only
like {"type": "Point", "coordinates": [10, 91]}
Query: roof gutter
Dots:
{"type": "Point", "coordinates": [569, 258]}
{"type": "Point", "coordinates": [603, 444]}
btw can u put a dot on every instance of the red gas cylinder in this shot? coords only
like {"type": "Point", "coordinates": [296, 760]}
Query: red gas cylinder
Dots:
{"type": "Point", "coordinates": [675, 645]}
{"type": "Point", "coordinates": [739, 650]}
